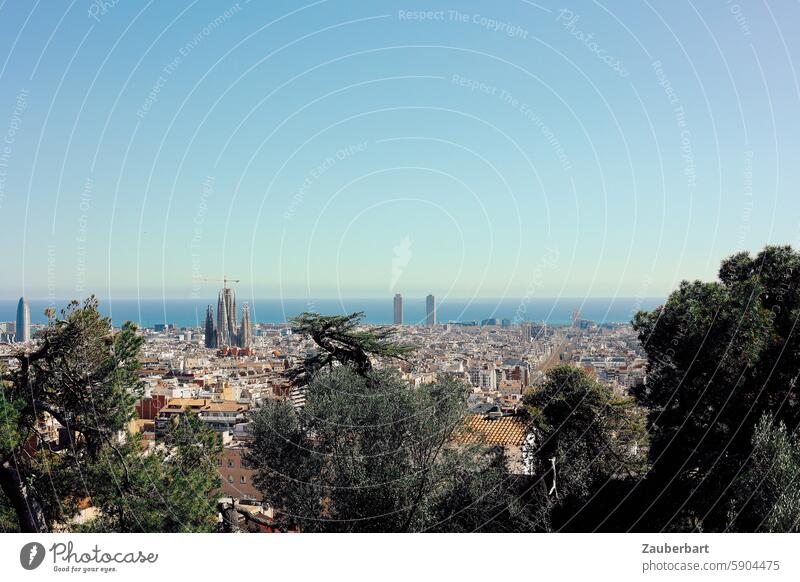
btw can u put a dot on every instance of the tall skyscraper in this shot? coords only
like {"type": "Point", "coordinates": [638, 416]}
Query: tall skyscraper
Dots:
{"type": "Point", "coordinates": [211, 331]}
{"type": "Point", "coordinates": [226, 318]}
{"type": "Point", "coordinates": [246, 330]}
{"type": "Point", "coordinates": [430, 311]}
{"type": "Point", "coordinates": [398, 309]}
{"type": "Point", "coordinates": [23, 329]}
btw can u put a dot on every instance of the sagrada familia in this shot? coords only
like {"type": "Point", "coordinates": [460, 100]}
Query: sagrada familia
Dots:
{"type": "Point", "coordinates": [226, 333]}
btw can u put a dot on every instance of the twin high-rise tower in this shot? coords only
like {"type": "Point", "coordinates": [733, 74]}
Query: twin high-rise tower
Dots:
{"type": "Point", "coordinates": [226, 332]}
{"type": "Point", "coordinates": [430, 310]}
{"type": "Point", "coordinates": [398, 309]}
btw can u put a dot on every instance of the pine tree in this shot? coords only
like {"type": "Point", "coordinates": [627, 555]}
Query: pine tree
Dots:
{"type": "Point", "coordinates": [85, 375]}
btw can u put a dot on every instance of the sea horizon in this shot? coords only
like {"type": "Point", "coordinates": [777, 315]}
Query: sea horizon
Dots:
{"type": "Point", "coordinates": [190, 312]}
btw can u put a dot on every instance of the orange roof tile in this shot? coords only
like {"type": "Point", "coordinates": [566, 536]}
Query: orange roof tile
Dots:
{"type": "Point", "coordinates": [226, 406]}
{"type": "Point", "coordinates": [506, 430]}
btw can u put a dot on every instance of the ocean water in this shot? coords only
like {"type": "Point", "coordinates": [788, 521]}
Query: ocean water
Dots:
{"type": "Point", "coordinates": [191, 312]}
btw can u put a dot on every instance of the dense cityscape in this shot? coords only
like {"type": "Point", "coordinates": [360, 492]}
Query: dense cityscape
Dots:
{"type": "Point", "coordinates": [231, 366]}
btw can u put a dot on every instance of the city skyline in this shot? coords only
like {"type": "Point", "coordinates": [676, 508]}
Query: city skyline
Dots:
{"type": "Point", "coordinates": [201, 313]}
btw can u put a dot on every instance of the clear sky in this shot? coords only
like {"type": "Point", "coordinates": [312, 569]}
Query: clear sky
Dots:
{"type": "Point", "coordinates": [361, 148]}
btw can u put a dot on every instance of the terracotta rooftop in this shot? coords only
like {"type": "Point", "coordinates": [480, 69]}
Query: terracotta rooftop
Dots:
{"type": "Point", "coordinates": [225, 406]}
{"type": "Point", "coordinates": [182, 404]}
{"type": "Point", "coordinates": [506, 430]}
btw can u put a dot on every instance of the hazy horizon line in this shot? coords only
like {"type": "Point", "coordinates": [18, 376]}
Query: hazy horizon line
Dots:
{"type": "Point", "coordinates": [349, 297]}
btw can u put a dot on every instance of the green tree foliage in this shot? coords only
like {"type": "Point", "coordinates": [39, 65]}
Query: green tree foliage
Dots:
{"type": "Point", "coordinates": [370, 453]}
{"type": "Point", "coordinates": [340, 339]}
{"type": "Point", "coordinates": [8, 517]}
{"type": "Point", "coordinates": [720, 355]}
{"type": "Point", "coordinates": [766, 496]}
{"type": "Point", "coordinates": [170, 489]}
{"type": "Point", "coordinates": [85, 375]}
{"type": "Point", "coordinates": [591, 436]}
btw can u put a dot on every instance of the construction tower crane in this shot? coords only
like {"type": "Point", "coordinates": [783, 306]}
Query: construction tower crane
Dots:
{"type": "Point", "coordinates": [224, 280]}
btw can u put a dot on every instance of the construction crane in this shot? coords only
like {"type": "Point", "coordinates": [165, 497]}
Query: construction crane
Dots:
{"type": "Point", "coordinates": [223, 279]}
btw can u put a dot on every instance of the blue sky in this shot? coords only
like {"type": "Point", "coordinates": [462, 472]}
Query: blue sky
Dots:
{"type": "Point", "coordinates": [359, 149]}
